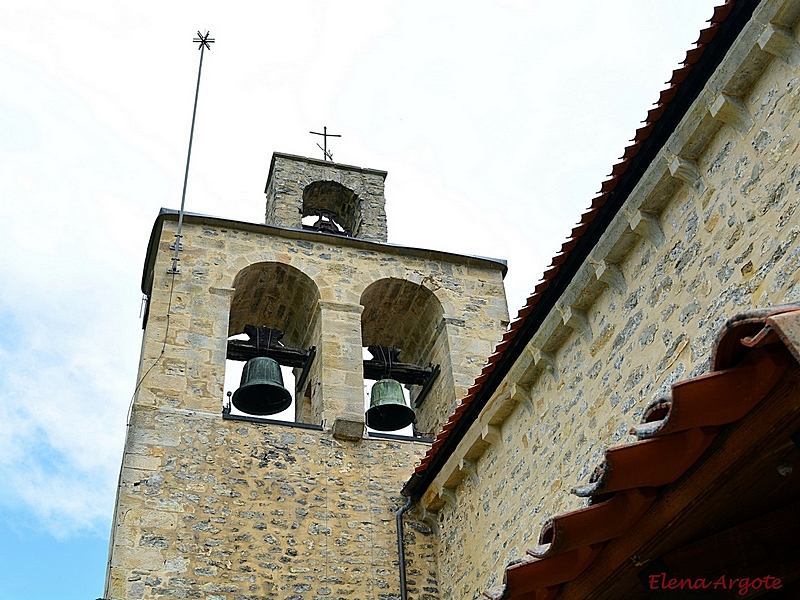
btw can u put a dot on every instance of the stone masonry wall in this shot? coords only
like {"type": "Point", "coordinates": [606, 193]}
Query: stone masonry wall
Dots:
{"type": "Point", "coordinates": [730, 242]}
{"type": "Point", "coordinates": [223, 509]}
{"type": "Point", "coordinates": [231, 510]}
{"type": "Point", "coordinates": [289, 175]}
{"type": "Point", "coordinates": [471, 294]}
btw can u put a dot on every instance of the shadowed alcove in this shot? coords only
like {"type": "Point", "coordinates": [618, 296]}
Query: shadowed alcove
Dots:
{"type": "Point", "coordinates": [402, 314]}
{"type": "Point", "coordinates": [325, 199]}
{"type": "Point", "coordinates": [279, 297]}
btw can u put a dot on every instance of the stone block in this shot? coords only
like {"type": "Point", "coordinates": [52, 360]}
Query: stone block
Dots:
{"type": "Point", "coordinates": [137, 461]}
{"type": "Point", "coordinates": [348, 427]}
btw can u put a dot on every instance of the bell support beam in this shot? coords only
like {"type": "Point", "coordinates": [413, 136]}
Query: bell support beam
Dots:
{"type": "Point", "coordinates": [245, 350]}
{"type": "Point", "coordinates": [265, 341]}
{"type": "Point", "coordinates": [404, 373]}
{"type": "Point", "coordinates": [385, 361]}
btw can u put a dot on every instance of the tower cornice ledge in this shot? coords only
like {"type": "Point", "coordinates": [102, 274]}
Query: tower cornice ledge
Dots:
{"type": "Point", "coordinates": [322, 163]}
{"type": "Point", "coordinates": [168, 214]}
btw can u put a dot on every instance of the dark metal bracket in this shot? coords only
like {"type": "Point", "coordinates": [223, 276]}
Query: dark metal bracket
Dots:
{"type": "Point", "coordinates": [265, 341]}
{"type": "Point", "coordinates": [423, 393]}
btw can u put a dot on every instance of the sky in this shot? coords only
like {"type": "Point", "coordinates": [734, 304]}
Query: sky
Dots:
{"type": "Point", "coordinates": [496, 120]}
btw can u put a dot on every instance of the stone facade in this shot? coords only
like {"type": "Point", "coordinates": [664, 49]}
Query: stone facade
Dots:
{"type": "Point", "coordinates": [297, 186]}
{"type": "Point", "coordinates": [235, 510]}
{"type": "Point", "coordinates": [220, 508]}
{"type": "Point", "coordinates": [711, 230]}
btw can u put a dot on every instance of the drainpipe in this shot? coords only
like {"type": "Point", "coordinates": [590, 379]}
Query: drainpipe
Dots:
{"type": "Point", "coordinates": [401, 552]}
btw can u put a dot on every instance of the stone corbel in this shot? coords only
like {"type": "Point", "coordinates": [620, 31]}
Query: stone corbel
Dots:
{"type": "Point", "coordinates": [448, 497]}
{"type": "Point", "coordinates": [577, 320]}
{"type": "Point", "coordinates": [688, 171]}
{"type": "Point", "coordinates": [647, 226]}
{"type": "Point", "coordinates": [491, 434]}
{"type": "Point", "coordinates": [611, 275]}
{"type": "Point", "coordinates": [468, 468]}
{"type": "Point", "coordinates": [733, 112]}
{"type": "Point", "coordinates": [522, 395]}
{"type": "Point", "coordinates": [781, 42]}
{"type": "Point", "coordinates": [429, 518]}
{"type": "Point", "coordinates": [547, 361]}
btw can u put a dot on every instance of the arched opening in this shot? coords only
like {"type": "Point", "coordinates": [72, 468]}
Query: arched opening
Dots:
{"type": "Point", "coordinates": [273, 313]}
{"type": "Point", "coordinates": [407, 316]}
{"type": "Point", "coordinates": [330, 207]}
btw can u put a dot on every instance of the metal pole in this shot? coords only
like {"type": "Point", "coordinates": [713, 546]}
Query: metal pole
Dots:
{"type": "Point", "coordinates": [401, 551]}
{"type": "Point", "coordinates": [204, 40]}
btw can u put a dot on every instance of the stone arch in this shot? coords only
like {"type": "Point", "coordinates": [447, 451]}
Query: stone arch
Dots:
{"type": "Point", "coordinates": [355, 194]}
{"type": "Point", "coordinates": [332, 200]}
{"type": "Point", "coordinates": [275, 295]}
{"type": "Point", "coordinates": [400, 313]}
{"type": "Point", "coordinates": [409, 316]}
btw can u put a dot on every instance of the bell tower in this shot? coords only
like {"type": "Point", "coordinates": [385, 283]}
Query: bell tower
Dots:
{"type": "Point", "coordinates": [349, 197]}
{"type": "Point", "coordinates": [229, 501]}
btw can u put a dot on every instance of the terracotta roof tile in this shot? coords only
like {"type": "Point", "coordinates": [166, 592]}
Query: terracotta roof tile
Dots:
{"type": "Point", "coordinates": [619, 168]}
{"type": "Point", "coordinates": [609, 184]}
{"type": "Point", "coordinates": [721, 12]}
{"type": "Point", "coordinates": [706, 35]}
{"type": "Point", "coordinates": [594, 524]}
{"type": "Point", "coordinates": [679, 429]}
{"type": "Point", "coordinates": [634, 465]}
{"type": "Point", "coordinates": [692, 56]}
{"type": "Point", "coordinates": [642, 134]}
{"type": "Point", "coordinates": [680, 75]}
{"type": "Point", "coordinates": [550, 273]}
{"type": "Point", "coordinates": [655, 113]}
{"type": "Point", "coordinates": [667, 95]}
{"type": "Point", "coordinates": [521, 314]}
{"type": "Point", "coordinates": [580, 229]}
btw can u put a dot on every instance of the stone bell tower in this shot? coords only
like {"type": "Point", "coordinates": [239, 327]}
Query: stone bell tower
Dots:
{"type": "Point", "coordinates": [215, 503]}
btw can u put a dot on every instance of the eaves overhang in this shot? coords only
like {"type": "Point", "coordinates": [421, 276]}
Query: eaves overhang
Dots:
{"type": "Point", "coordinates": [320, 163]}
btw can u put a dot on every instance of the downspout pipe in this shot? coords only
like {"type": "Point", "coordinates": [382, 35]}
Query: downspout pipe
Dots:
{"type": "Point", "coordinates": [401, 552]}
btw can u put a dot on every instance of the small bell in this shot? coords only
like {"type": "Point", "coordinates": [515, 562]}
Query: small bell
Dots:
{"type": "Point", "coordinates": [388, 410]}
{"type": "Point", "coordinates": [261, 391]}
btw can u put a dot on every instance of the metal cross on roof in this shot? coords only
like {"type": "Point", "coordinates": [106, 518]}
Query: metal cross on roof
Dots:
{"type": "Point", "coordinates": [325, 135]}
{"type": "Point", "coordinates": [204, 40]}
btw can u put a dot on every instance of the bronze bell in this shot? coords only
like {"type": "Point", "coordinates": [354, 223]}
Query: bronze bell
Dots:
{"type": "Point", "coordinates": [261, 390]}
{"type": "Point", "coordinates": [388, 410]}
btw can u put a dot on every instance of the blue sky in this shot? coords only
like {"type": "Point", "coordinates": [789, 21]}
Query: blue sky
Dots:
{"type": "Point", "coordinates": [497, 122]}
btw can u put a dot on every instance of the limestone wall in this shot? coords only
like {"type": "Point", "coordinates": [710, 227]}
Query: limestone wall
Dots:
{"type": "Point", "coordinates": [223, 509]}
{"type": "Point", "coordinates": [190, 374]}
{"type": "Point", "coordinates": [724, 197]}
{"type": "Point", "coordinates": [360, 203]}
{"type": "Point", "coordinates": [234, 510]}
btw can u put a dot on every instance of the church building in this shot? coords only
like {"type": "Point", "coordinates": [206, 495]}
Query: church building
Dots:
{"type": "Point", "coordinates": [633, 433]}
